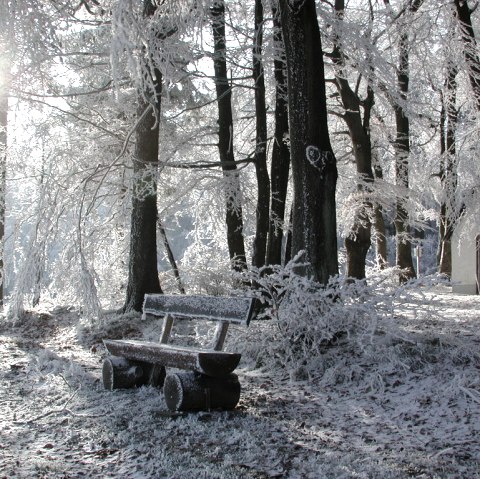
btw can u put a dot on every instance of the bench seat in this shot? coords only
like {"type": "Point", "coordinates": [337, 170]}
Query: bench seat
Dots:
{"type": "Point", "coordinates": [210, 363]}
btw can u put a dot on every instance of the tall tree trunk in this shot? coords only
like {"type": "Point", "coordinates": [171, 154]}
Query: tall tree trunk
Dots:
{"type": "Point", "coordinates": [404, 258]}
{"type": "Point", "coordinates": [288, 240]}
{"type": "Point", "coordinates": [402, 149]}
{"type": "Point", "coordinates": [313, 162]}
{"type": "Point", "coordinates": [4, 93]}
{"type": "Point", "coordinates": [380, 232]}
{"type": "Point", "coordinates": [280, 164]}
{"type": "Point", "coordinates": [449, 171]}
{"type": "Point", "coordinates": [463, 13]}
{"type": "Point", "coordinates": [358, 241]}
{"type": "Point", "coordinates": [143, 267]}
{"type": "Point", "coordinates": [443, 204]}
{"type": "Point", "coordinates": [263, 181]}
{"type": "Point", "coordinates": [234, 216]}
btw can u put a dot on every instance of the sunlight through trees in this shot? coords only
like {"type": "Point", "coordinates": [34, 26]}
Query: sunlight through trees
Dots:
{"type": "Point", "coordinates": [344, 131]}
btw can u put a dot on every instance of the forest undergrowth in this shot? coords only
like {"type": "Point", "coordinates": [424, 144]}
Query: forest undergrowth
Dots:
{"type": "Point", "coordinates": [385, 384]}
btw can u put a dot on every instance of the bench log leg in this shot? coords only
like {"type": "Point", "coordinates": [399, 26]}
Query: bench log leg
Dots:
{"type": "Point", "coordinates": [121, 373]}
{"type": "Point", "coordinates": [191, 391]}
{"type": "Point", "coordinates": [156, 375]}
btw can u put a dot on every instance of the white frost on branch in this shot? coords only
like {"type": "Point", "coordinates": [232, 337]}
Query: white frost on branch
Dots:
{"type": "Point", "coordinates": [161, 42]}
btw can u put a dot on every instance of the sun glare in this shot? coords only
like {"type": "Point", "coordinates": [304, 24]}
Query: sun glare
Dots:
{"type": "Point", "coordinates": [3, 73]}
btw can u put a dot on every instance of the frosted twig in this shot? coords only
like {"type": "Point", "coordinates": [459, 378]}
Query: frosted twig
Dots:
{"type": "Point", "coordinates": [74, 414]}
{"type": "Point", "coordinates": [122, 152]}
{"type": "Point", "coordinates": [443, 451]}
{"type": "Point", "coordinates": [53, 411]}
{"type": "Point", "coordinates": [66, 382]}
{"type": "Point", "coordinates": [470, 393]}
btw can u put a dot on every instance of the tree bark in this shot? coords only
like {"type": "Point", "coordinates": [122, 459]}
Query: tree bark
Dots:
{"type": "Point", "coordinates": [358, 241]}
{"type": "Point", "coordinates": [263, 181]}
{"type": "Point", "coordinates": [190, 391]}
{"type": "Point", "coordinates": [472, 60]}
{"type": "Point", "coordinates": [234, 215]}
{"type": "Point", "coordinates": [280, 163]}
{"type": "Point", "coordinates": [443, 205]}
{"type": "Point", "coordinates": [313, 162]}
{"type": "Point", "coordinates": [402, 151]}
{"type": "Point", "coordinates": [143, 267]}
{"type": "Point", "coordinates": [404, 258]}
{"type": "Point", "coordinates": [288, 240]}
{"type": "Point", "coordinates": [4, 93]}
{"type": "Point", "coordinates": [380, 232]}
{"type": "Point", "coordinates": [449, 172]}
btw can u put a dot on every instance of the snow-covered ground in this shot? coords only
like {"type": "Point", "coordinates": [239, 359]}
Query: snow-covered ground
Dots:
{"type": "Point", "coordinates": [407, 407]}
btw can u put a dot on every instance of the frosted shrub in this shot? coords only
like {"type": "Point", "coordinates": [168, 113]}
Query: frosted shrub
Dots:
{"type": "Point", "coordinates": [306, 319]}
{"type": "Point", "coordinates": [206, 269]}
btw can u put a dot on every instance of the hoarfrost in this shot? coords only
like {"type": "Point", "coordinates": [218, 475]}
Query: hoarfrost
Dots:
{"type": "Point", "coordinates": [397, 395]}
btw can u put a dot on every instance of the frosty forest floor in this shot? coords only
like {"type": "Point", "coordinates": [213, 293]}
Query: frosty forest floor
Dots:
{"type": "Point", "coordinates": [417, 415]}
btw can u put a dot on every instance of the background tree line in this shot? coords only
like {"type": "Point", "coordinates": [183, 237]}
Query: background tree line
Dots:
{"type": "Point", "coordinates": [229, 135]}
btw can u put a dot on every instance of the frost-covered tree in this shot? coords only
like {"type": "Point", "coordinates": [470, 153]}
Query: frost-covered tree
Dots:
{"type": "Point", "coordinates": [30, 36]}
{"type": "Point", "coordinates": [143, 264]}
{"type": "Point", "coordinates": [114, 106]}
{"type": "Point", "coordinates": [280, 158]}
{"type": "Point", "coordinates": [448, 169]}
{"type": "Point", "coordinates": [4, 94]}
{"type": "Point", "coordinates": [358, 241]}
{"type": "Point", "coordinates": [233, 213]}
{"type": "Point", "coordinates": [470, 52]}
{"type": "Point", "coordinates": [263, 181]}
{"type": "Point", "coordinates": [313, 162]}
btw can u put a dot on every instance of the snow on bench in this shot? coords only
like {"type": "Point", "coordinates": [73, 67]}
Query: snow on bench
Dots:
{"type": "Point", "coordinates": [209, 382]}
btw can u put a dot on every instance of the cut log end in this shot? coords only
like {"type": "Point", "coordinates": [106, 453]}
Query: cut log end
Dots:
{"type": "Point", "coordinates": [121, 373]}
{"type": "Point", "coordinates": [218, 364]}
{"type": "Point", "coordinates": [190, 391]}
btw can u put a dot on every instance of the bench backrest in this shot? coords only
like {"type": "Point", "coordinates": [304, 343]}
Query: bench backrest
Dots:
{"type": "Point", "coordinates": [214, 308]}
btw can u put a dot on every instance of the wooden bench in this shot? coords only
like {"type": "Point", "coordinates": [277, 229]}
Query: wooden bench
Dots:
{"type": "Point", "coordinates": [209, 382]}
